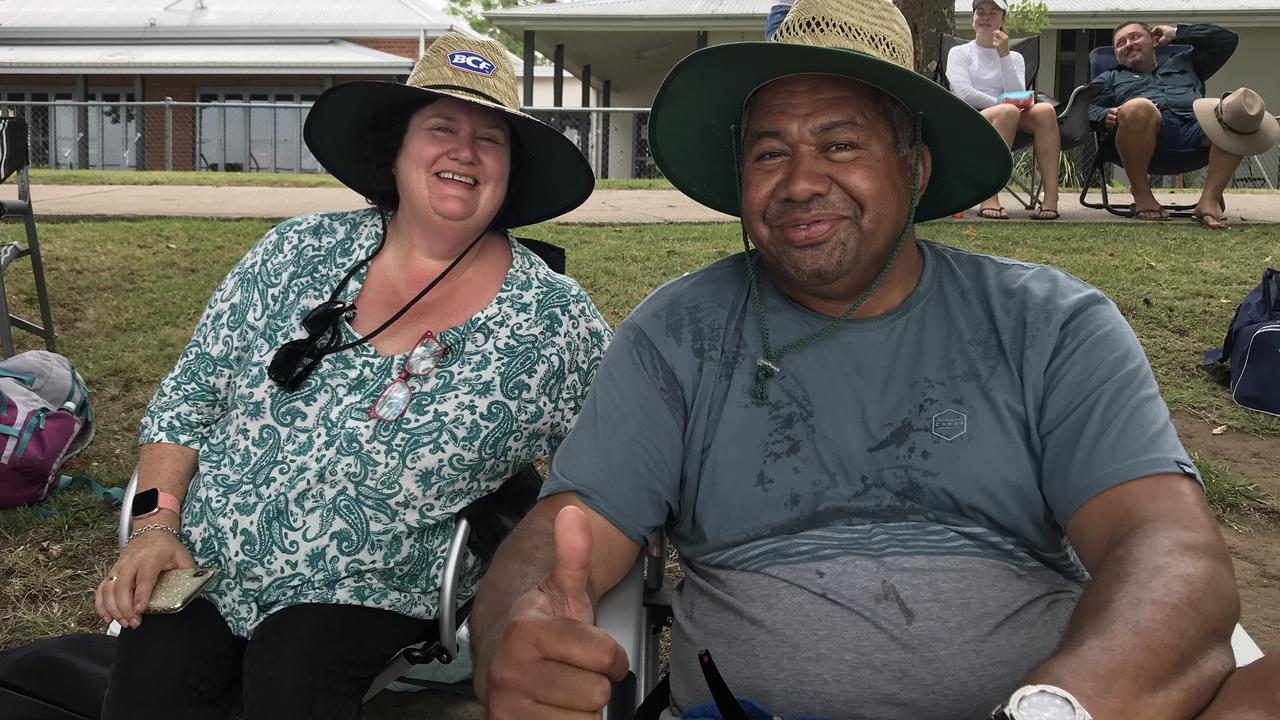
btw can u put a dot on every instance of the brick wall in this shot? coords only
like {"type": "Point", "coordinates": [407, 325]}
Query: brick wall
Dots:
{"type": "Point", "coordinates": [7, 81]}
{"type": "Point", "coordinates": [404, 47]}
{"type": "Point", "coordinates": [184, 88]}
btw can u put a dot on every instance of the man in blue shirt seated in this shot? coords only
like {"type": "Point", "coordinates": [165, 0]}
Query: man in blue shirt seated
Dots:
{"type": "Point", "coordinates": [906, 481]}
{"type": "Point", "coordinates": [1147, 108]}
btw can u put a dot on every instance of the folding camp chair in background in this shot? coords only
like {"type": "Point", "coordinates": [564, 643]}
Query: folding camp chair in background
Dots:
{"type": "Point", "coordinates": [14, 160]}
{"type": "Point", "coordinates": [1102, 59]}
{"type": "Point", "coordinates": [1073, 115]}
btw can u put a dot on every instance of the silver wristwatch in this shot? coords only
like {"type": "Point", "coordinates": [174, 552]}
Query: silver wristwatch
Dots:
{"type": "Point", "coordinates": [1041, 702]}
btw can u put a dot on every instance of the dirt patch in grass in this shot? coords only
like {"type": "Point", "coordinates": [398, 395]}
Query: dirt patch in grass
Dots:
{"type": "Point", "coordinates": [1253, 537]}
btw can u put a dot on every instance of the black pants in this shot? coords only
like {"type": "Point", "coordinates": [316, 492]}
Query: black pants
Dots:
{"type": "Point", "coordinates": [306, 661]}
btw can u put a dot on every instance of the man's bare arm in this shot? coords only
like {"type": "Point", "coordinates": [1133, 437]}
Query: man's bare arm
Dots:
{"type": "Point", "coordinates": [1150, 637]}
{"type": "Point", "coordinates": [523, 563]}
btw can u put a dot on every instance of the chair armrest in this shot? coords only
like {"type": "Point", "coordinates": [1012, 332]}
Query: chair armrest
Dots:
{"type": "Point", "coordinates": [621, 613]}
{"type": "Point", "coordinates": [1073, 117]}
{"type": "Point", "coordinates": [1245, 649]}
{"type": "Point", "coordinates": [126, 511]}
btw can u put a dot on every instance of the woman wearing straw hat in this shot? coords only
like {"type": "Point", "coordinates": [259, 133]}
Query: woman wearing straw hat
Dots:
{"type": "Point", "coordinates": [988, 76]}
{"type": "Point", "coordinates": [357, 379]}
{"type": "Point", "coordinates": [1237, 122]}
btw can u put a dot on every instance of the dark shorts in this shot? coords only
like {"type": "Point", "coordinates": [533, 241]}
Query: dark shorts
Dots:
{"type": "Point", "coordinates": [1178, 133]}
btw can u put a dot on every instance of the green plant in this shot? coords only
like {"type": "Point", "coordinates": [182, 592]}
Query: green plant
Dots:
{"type": "Point", "coordinates": [1026, 18]}
{"type": "Point", "coordinates": [1024, 161]}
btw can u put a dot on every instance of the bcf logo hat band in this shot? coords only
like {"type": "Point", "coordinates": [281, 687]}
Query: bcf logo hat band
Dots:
{"type": "Point", "coordinates": [472, 63]}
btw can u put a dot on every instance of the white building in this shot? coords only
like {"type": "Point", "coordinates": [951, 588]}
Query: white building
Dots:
{"type": "Point", "coordinates": [210, 51]}
{"type": "Point", "coordinates": [630, 45]}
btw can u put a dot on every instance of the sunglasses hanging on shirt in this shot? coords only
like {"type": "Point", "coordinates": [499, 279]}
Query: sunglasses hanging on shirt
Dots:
{"type": "Point", "coordinates": [295, 360]}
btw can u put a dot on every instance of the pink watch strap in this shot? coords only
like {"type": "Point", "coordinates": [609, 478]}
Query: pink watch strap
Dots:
{"type": "Point", "coordinates": [168, 502]}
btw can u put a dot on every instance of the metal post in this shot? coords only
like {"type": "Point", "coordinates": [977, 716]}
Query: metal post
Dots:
{"type": "Point", "coordinates": [557, 80]}
{"type": "Point", "coordinates": [82, 122]}
{"type": "Point", "coordinates": [1082, 57]}
{"type": "Point", "coordinates": [528, 68]}
{"type": "Point", "coordinates": [606, 97]}
{"type": "Point", "coordinates": [168, 133]}
{"type": "Point", "coordinates": [140, 125]}
{"type": "Point", "coordinates": [586, 85]}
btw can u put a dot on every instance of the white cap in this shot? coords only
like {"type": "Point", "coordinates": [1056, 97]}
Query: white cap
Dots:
{"type": "Point", "coordinates": [1004, 6]}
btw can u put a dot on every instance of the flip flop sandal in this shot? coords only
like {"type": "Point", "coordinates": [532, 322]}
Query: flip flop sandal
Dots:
{"type": "Point", "coordinates": [1151, 215]}
{"type": "Point", "coordinates": [1205, 218]}
{"type": "Point", "coordinates": [1045, 214]}
{"type": "Point", "coordinates": [993, 213]}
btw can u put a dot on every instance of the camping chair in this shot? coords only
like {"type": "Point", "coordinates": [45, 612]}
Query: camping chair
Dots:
{"type": "Point", "coordinates": [1102, 59]}
{"type": "Point", "coordinates": [14, 159]}
{"type": "Point", "coordinates": [1073, 118]}
{"type": "Point", "coordinates": [1073, 115]}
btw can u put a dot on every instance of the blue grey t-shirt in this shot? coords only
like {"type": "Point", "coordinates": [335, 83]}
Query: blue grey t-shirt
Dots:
{"type": "Point", "coordinates": [883, 536]}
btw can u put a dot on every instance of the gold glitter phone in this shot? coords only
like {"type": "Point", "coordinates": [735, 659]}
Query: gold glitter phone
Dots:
{"type": "Point", "coordinates": [176, 588]}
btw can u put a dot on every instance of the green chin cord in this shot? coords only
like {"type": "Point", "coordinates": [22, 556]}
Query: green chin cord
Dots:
{"type": "Point", "coordinates": [770, 363]}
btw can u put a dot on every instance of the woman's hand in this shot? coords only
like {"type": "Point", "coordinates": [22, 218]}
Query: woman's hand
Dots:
{"type": "Point", "coordinates": [124, 595]}
{"type": "Point", "coordinates": [1001, 40]}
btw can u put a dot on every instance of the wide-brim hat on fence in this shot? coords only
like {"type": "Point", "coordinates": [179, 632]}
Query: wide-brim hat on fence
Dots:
{"type": "Point", "coordinates": [1238, 122]}
{"type": "Point", "coordinates": [552, 178]}
{"type": "Point", "coordinates": [694, 123]}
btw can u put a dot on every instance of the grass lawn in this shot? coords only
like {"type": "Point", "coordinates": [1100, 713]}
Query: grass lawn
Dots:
{"type": "Point", "coordinates": [127, 294]}
{"type": "Point", "coordinates": [231, 179]}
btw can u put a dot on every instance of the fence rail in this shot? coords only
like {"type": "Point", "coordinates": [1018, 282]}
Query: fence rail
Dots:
{"type": "Point", "coordinates": [240, 136]}
{"type": "Point", "coordinates": [259, 136]}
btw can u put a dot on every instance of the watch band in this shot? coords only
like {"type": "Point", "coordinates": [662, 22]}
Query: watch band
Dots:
{"type": "Point", "coordinates": [161, 499]}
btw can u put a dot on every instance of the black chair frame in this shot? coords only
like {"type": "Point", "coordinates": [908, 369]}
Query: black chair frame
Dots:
{"type": "Point", "coordinates": [14, 159]}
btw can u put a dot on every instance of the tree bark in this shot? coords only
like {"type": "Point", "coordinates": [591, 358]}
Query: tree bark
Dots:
{"type": "Point", "coordinates": [928, 20]}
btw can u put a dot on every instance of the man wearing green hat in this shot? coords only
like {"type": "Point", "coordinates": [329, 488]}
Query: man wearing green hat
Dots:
{"type": "Point", "coordinates": [905, 480]}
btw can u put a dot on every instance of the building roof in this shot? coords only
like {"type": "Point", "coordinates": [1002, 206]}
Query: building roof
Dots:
{"type": "Point", "coordinates": [334, 57]}
{"type": "Point", "coordinates": [173, 19]}
{"type": "Point", "coordinates": [737, 14]}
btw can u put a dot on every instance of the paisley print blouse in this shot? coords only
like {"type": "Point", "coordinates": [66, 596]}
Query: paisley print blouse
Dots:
{"type": "Point", "coordinates": [299, 497]}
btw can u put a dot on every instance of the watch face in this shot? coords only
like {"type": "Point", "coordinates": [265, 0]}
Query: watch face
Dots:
{"type": "Point", "coordinates": [1045, 705]}
{"type": "Point", "coordinates": [145, 502]}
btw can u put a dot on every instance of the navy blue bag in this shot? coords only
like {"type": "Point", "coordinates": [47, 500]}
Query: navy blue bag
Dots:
{"type": "Point", "coordinates": [1252, 346]}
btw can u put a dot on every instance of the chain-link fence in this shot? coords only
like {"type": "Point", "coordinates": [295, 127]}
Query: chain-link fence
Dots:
{"type": "Point", "coordinates": [1255, 172]}
{"type": "Point", "coordinates": [239, 136]}
{"type": "Point", "coordinates": [266, 136]}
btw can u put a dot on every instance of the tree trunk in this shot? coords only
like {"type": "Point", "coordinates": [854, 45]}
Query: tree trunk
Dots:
{"type": "Point", "coordinates": [928, 20]}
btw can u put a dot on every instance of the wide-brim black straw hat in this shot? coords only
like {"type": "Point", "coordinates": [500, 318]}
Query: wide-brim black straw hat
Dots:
{"type": "Point", "coordinates": [553, 177]}
{"type": "Point", "coordinates": [699, 107]}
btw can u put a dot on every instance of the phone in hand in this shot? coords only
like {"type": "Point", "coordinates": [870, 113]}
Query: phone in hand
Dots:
{"type": "Point", "coordinates": [175, 589]}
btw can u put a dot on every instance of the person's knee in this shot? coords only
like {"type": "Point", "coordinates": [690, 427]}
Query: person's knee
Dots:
{"type": "Point", "coordinates": [1004, 115]}
{"type": "Point", "coordinates": [1138, 113]}
{"type": "Point", "coordinates": [1043, 115]}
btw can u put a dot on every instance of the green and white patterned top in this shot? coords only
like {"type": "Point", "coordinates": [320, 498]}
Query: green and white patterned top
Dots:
{"type": "Point", "coordinates": [300, 497]}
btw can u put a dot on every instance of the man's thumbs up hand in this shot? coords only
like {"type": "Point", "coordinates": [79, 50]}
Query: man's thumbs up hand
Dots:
{"type": "Point", "coordinates": [552, 662]}
{"type": "Point", "coordinates": [566, 585]}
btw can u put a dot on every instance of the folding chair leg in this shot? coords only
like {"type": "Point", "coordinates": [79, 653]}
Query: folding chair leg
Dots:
{"type": "Point", "coordinates": [42, 293]}
{"type": "Point", "coordinates": [1098, 173]}
{"type": "Point", "coordinates": [6, 329]}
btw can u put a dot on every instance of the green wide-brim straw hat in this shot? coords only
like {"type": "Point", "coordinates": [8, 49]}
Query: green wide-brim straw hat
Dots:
{"type": "Point", "coordinates": [699, 108]}
{"type": "Point", "coordinates": [550, 176]}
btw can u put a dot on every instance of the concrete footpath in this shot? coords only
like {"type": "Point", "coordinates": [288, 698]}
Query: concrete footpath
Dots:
{"type": "Point", "coordinates": [603, 207]}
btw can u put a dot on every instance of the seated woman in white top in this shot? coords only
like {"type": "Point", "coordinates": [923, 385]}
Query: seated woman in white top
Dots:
{"type": "Point", "coordinates": [979, 72]}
